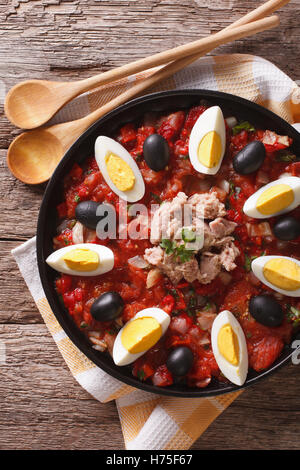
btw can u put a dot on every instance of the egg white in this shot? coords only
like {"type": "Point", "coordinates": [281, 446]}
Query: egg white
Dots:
{"type": "Point", "coordinates": [250, 205]}
{"type": "Point", "coordinates": [211, 120]}
{"type": "Point", "coordinates": [257, 267]}
{"type": "Point", "coordinates": [121, 356]}
{"type": "Point", "coordinates": [106, 257]}
{"type": "Point", "coordinates": [236, 374]}
{"type": "Point", "coordinates": [105, 145]}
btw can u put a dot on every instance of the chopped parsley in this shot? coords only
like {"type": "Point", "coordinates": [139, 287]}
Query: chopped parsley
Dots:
{"type": "Point", "coordinates": [234, 190]}
{"type": "Point", "coordinates": [285, 155]}
{"type": "Point", "coordinates": [174, 293]}
{"type": "Point", "coordinates": [249, 259]}
{"type": "Point", "coordinates": [156, 197]}
{"type": "Point", "coordinates": [208, 306]}
{"type": "Point", "coordinates": [243, 126]}
{"type": "Point", "coordinates": [168, 245]}
{"type": "Point", "coordinates": [183, 254]}
{"type": "Point", "coordinates": [179, 251]}
{"type": "Point", "coordinates": [141, 374]}
{"type": "Point", "coordinates": [293, 315]}
{"type": "Point", "coordinates": [77, 198]}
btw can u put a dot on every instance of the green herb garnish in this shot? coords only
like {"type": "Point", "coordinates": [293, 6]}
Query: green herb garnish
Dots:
{"type": "Point", "coordinates": [207, 306]}
{"type": "Point", "coordinates": [249, 259]}
{"type": "Point", "coordinates": [188, 235]}
{"type": "Point", "coordinates": [293, 315]}
{"type": "Point", "coordinates": [234, 190]}
{"type": "Point", "coordinates": [141, 374]}
{"type": "Point", "coordinates": [168, 245]}
{"type": "Point", "coordinates": [245, 125]}
{"type": "Point", "coordinates": [156, 197]}
{"type": "Point", "coordinates": [285, 155]}
{"type": "Point", "coordinates": [179, 251]}
{"type": "Point", "coordinates": [174, 293]}
{"type": "Point", "coordinates": [183, 254]}
{"type": "Point", "coordinates": [77, 198]}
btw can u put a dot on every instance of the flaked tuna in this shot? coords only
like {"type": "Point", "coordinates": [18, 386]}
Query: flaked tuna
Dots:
{"type": "Point", "coordinates": [199, 212]}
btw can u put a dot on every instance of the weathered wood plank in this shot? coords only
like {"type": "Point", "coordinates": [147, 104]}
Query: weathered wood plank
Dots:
{"type": "Point", "coordinates": [16, 303]}
{"type": "Point", "coordinates": [42, 406]}
{"type": "Point", "coordinates": [19, 205]}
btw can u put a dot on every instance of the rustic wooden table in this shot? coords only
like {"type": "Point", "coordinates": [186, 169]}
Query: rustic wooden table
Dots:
{"type": "Point", "coordinates": [42, 406]}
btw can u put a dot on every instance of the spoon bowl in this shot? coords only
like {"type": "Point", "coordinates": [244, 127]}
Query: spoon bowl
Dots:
{"type": "Point", "coordinates": [32, 103]}
{"type": "Point", "coordinates": [32, 157]}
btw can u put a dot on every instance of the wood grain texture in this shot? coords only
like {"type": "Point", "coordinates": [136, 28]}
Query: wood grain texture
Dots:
{"type": "Point", "coordinates": [42, 406]}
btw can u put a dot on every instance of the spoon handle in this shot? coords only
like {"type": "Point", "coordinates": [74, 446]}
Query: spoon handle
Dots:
{"type": "Point", "coordinates": [176, 53]}
{"type": "Point", "coordinates": [67, 132]}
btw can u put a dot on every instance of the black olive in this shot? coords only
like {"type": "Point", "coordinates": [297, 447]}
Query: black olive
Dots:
{"type": "Point", "coordinates": [86, 211]}
{"type": "Point", "coordinates": [107, 307]}
{"type": "Point", "coordinates": [250, 158]}
{"type": "Point", "coordinates": [156, 152]}
{"type": "Point", "coordinates": [266, 310]}
{"type": "Point", "coordinates": [287, 228]}
{"type": "Point", "coordinates": [180, 361]}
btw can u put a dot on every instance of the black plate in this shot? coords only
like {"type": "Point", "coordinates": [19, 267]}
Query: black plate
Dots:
{"type": "Point", "coordinates": [84, 147]}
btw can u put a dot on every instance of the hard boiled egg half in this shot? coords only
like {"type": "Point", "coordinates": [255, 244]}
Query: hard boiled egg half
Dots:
{"type": "Point", "coordinates": [275, 198]}
{"type": "Point", "coordinates": [229, 347]}
{"type": "Point", "coordinates": [82, 259]}
{"type": "Point", "coordinates": [208, 141]}
{"type": "Point", "coordinates": [119, 169]}
{"type": "Point", "coordinates": [281, 273]}
{"type": "Point", "coordinates": [139, 335]}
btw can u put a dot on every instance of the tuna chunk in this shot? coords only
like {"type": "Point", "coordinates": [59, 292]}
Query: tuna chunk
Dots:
{"type": "Point", "coordinates": [210, 267]}
{"type": "Point", "coordinates": [207, 206]}
{"type": "Point", "coordinates": [228, 255]}
{"type": "Point", "coordinates": [218, 250]}
{"type": "Point", "coordinates": [167, 221]}
{"type": "Point", "coordinates": [221, 227]}
{"type": "Point", "coordinates": [189, 270]}
{"type": "Point", "coordinates": [154, 255]}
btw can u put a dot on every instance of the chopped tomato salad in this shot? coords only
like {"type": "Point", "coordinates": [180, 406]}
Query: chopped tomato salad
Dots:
{"type": "Point", "coordinates": [192, 306]}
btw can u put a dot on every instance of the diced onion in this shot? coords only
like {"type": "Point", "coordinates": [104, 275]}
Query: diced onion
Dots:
{"type": "Point", "coordinates": [153, 277]}
{"type": "Point", "coordinates": [138, 262]}
{"type": "Point", "coordinates": [231, 121]}
{"type": "Point", "coordinates": [225, 186]}
{"type": "Point", "coordinates": [77, 233]}
{"type": "Point", "coordinates": [261, 230]}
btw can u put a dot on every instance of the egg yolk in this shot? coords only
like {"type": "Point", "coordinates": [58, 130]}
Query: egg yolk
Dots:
{"type": "Point", "coordinates": [228, 344]}
{"type": "Point", "coordinates": [210, 149]}
{"type": "Point", "coordinates": [140, 334]}
{"type": "Point", "coordinates": [80, 259]}
{"type": "Point", "coordinates": [275, 199]}
{"type": "Point", "coordinates": [283, 273]}
{"type": "Point", "coordinates": [120, 172]}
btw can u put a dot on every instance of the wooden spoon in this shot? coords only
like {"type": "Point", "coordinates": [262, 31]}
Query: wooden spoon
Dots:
{"type": "Point", "coordinates": [33, 156]}
{"type": "Point", "coordinates": [32, 103]}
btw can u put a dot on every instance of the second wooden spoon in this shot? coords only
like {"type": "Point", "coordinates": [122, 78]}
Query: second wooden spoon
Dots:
{"type": "Point", "coordinates": [33, 155]}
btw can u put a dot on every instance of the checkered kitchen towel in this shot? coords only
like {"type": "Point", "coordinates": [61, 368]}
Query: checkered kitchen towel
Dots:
{"type": "Point", "coordinates": [150, 421]}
